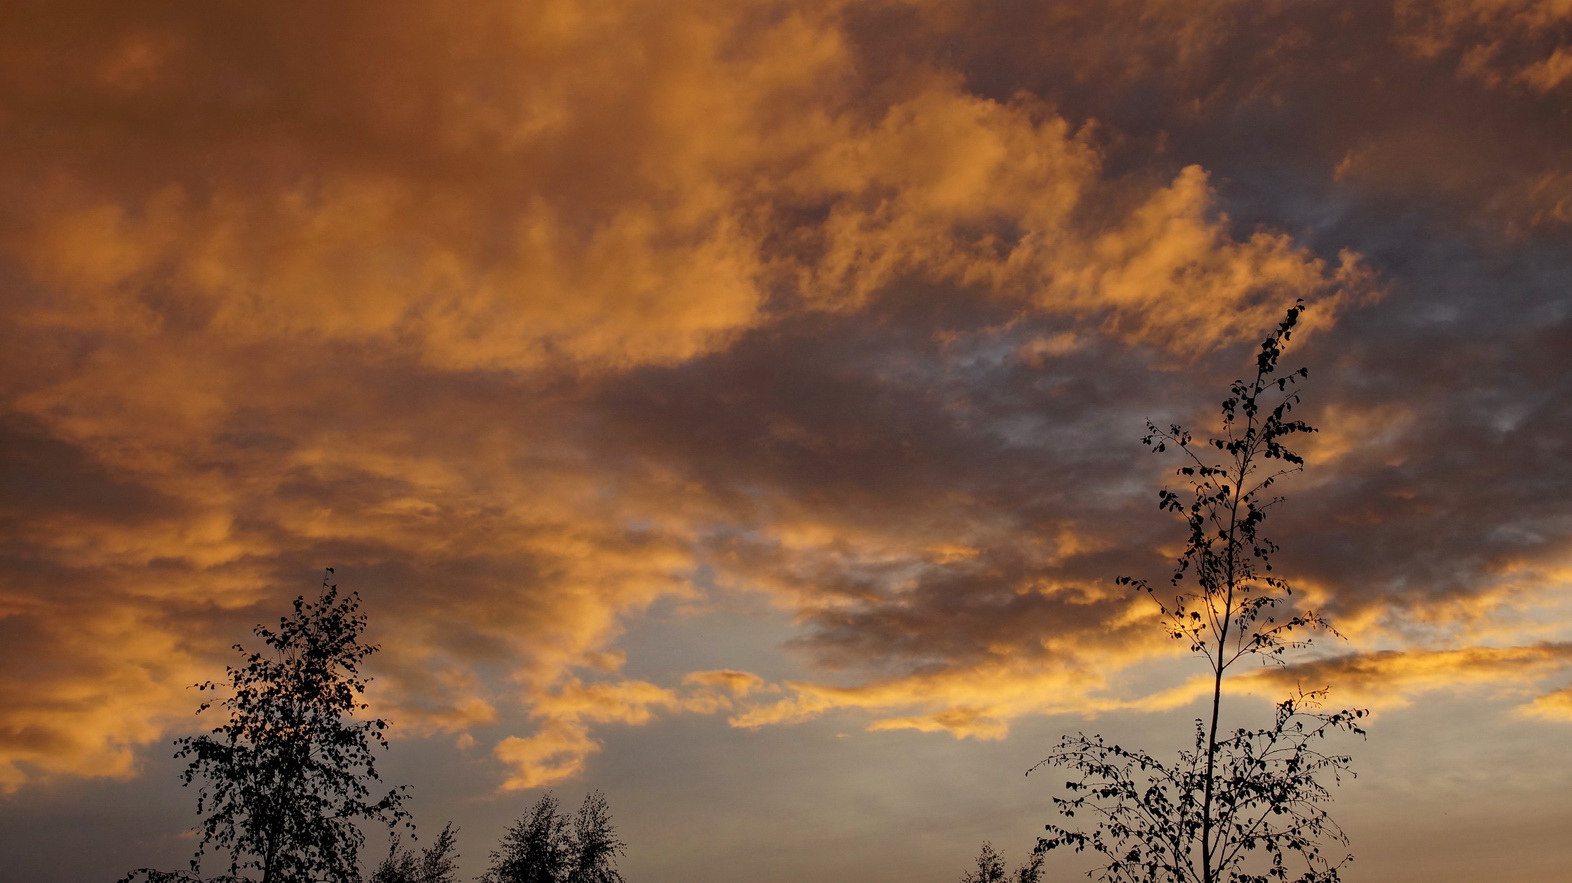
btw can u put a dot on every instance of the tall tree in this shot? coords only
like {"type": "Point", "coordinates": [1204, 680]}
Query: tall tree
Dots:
{"type": "Point", "coordinates": [1239, 804]}
{"type": "Point", "coordinates": [544, 846]}
{"type": "Point", "coordinates": [285, 777]}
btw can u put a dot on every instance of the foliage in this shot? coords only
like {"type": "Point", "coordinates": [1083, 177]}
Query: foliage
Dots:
{"type": "Point", "coordinates": [534, 849]}
{"type": "Point", "coordinates": [153, 875]}
{"type": "Point", "coordinates": [990, 868]}
{"type": "Point", "coordinates": [543, 846]}
{"type": "Point", "coordinates": [286, 775]}
{"type": "Point", "coordinates": [1255, 795]}
{"type": "Point", "coordinates": [595, 843]}
{"type": "Point", "coordinates": [1268, 798]}
{"type": "Point", "coordinates": [436, 863]}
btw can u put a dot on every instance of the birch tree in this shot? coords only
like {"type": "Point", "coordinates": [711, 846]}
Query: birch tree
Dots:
{"type": "Point", "coordinates": [1242, 805]}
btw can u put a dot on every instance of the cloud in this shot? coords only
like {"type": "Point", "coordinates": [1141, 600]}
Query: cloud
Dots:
{"type": "Point", "coordinates": [1391, 679]}
{"type": "Point", "coordinates": [1556, 705]}
{"type": "Point", "coordinates": [738, 683]}
{"type": "Point", "coordinates": [525, 269]}
{"type": "Point", "coordinates": [84, 691]}
{"type": "Point", "coordinates": [1519, 43]}
{"type": "Point", "coordinates": [562, 741]}
{"type": "Point", "coordinates": [979, 702]}
{"type": "Point", "coordinates": [532, 319]}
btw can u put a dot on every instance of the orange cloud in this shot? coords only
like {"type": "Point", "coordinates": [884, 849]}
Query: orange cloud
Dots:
{"type": "Point", "coordinates": [1172, 272]}
{"type": "Point", "coordinates": [982, 701]}
{"type": "Point", "coordinates": [367, 293]}
{"type": "Point", "coordinates": [979, 701]}
{"type": "Point", "coordinates": [83, 692]}
{"type": "Point", "coordinates": [1496, 42]}
{"type": "Point", "coordinates": [1556, 705]}
{"type": "Point", "coordinates": [1390, 679]}
{"type": "Point", "coordinates": [563, 742]}
{"type": "Point", "coordinates": [738, 683]}
{"type": "Point", "coordinates": [518, 233]}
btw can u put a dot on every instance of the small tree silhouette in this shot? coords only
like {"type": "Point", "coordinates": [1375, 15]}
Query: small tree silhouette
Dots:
{"type": "Point", "coordinates": [286, 775]}
{"type": "Point", "coordinates": [543, 846]}
{"type": "Point", "coordinates": [990, 868]}
{"type": "Point", "coordinates": [436, 863]}
{"type": "Point", "coordinates": [1251, 797]}
{"type": "Point", "coordinates": [595, 844]}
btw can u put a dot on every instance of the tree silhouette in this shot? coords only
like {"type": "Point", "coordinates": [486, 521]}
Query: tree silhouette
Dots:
{"type": "Point", "coordinates": [990, 868]}
{"type": "Point", "coordinates": [1238, 805]}
{"type": "Point", "coordinates": [543, 846]}
{"type": "Point", "coordinates": [436, 863]}
{"type": "Point", "coordinates": [595, 844]}
{"type": "Point", "coordinates": [285, 776]}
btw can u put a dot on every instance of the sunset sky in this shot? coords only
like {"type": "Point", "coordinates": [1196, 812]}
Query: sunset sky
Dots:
{"type": "Point", "coordinates": [735, 406]}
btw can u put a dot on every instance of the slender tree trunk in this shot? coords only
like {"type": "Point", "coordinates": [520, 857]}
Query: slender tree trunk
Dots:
{"type": "Point", "coordinates": [268, 859]}
{"type": "Point", "coordinates": [1211, 755]}
{"type": "Point", "coordinates": [1230, 550]}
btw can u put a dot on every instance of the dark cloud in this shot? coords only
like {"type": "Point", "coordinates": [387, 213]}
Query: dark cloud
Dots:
{"type": "Point", "coordinates": [45, 478]}
{"type": "Point", "coordinates": [536, 319]}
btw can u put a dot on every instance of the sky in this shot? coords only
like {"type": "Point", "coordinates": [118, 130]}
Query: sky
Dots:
{"type": "Point", "coordinates": [735, 406]}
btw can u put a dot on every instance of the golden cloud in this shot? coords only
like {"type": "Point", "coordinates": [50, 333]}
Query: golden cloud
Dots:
{"type": "Point", "coordinates": [975, 701]}
{"type": "Point", "coordinates": [1389, 679]}
{"type": "Point", "coordinates": [563, 742]}
{"type": "Point", "coordinates": [982, 701]}
{"type": "Point", "coordinates": [1172, 267]}
{"type": "Point", "coordinates": [83, 692]}
{"type": "Point", "coordinates": [519, 232]}
{"type": "Point", "coordinates": [1497, 42]}
{"type": "Point", "coordinates": [345, 294]}
{"type": "Point", "coordinates": [1556, 705]}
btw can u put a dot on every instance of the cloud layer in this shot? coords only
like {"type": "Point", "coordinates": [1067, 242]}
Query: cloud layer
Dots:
{"type": "Point", "coordinates": [532, 318]}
